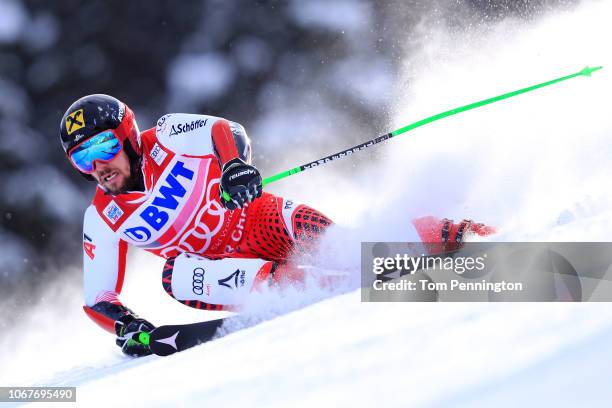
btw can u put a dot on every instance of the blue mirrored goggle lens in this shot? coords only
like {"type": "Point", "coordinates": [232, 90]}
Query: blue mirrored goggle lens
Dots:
{"type": "Point", "coordinates": [103, 146]}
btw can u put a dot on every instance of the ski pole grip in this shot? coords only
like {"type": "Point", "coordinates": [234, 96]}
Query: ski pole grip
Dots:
{"type": "Point", "coordinates": [142, 338]}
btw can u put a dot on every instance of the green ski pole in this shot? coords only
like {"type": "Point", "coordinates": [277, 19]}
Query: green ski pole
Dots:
{"type": "Point", "coordinates": [344, 153]}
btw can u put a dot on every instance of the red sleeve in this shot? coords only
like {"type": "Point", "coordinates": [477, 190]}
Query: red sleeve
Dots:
{"type": "Point", "coordinates": [223, 141]}
{"type": "Point", "coordinates": [100, 319]}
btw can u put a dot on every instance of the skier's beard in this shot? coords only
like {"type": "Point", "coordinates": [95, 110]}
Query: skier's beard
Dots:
{"type": "Point", "coordinates": [135, 182]}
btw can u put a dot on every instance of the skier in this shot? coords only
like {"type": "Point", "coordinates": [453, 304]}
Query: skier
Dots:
{"type": "Point", "coordinates": [186, 190]}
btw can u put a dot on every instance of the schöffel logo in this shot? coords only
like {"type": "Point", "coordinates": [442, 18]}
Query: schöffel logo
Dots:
{"type": "Point", "coordinates": [187, 127]}
{"type": "Point", "coordinates": [112, 212]}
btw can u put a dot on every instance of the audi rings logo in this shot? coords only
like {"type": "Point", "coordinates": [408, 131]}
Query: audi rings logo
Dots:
{"type": "Point", "coordinates": [197, 282]}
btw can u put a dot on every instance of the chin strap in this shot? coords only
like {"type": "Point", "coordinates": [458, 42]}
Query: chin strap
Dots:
{"type": "Point", "coordinates": [136, 181]}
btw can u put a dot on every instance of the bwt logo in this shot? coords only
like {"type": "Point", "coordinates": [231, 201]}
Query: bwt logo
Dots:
{"type": "Point", "coordinates": [157, 214]}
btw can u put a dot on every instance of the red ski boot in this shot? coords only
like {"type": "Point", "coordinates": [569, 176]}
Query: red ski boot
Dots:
{"type": "Point", "coordinates": [433, 230]}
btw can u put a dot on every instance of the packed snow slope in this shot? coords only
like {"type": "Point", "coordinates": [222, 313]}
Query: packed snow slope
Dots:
{"type": "Point", "coordinates": [340, 352]}
{"type": "Point", "coordinates": [537, 166]}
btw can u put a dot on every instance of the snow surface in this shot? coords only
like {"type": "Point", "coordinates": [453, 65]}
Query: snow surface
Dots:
{"type": "Point", "coordinates": [537, 166]}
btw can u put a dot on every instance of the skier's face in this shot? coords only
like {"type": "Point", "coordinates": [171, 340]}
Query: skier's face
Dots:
{"type": "Point", "coordinates": [113, 175]}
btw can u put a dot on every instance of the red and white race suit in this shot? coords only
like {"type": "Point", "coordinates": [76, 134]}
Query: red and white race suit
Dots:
{"type": "Point", "coordinates": [179, 212]}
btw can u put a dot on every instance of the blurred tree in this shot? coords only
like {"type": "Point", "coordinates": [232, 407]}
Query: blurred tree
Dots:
{"type": "Point", "coordinates": [289, 70]}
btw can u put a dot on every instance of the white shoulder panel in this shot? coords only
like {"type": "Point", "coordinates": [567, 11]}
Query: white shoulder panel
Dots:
{"type": "Point", "coordinates": [186, 133]}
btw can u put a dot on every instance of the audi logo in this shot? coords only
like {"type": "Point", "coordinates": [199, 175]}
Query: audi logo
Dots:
{"type": "Point", "coordinates": [197, 282]}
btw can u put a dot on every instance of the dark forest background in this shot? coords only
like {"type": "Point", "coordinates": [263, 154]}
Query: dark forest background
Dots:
{"type": "Point", "coordinates": [290, 71]}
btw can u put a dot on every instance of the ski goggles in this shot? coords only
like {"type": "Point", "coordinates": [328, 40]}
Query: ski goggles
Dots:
{"type": "Point", "coordinates": [104, 146]}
